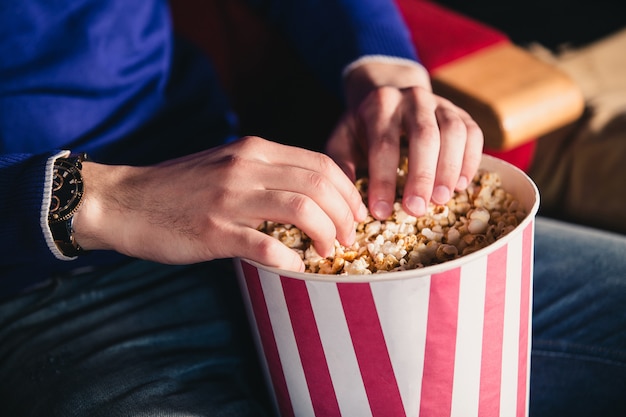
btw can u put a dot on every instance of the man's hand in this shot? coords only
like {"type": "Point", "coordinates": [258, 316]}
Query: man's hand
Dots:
{"type": "Point", "coordinates": [386, 102]}
{"type": "Point", "coordinates": [208, 205]}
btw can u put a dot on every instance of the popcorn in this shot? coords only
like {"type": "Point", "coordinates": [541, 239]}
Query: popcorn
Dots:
{"type": "Point", "coordinates": [471, 220]}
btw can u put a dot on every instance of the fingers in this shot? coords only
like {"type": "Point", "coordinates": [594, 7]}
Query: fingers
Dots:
{"type": "Point", "coordinates": [268, 251]}
{"type": "Point", "coordinates": [309, 216]}
{"type": "Point", "coordinates": [460, 153]}
{"type": "Point", "coordinates": [241, 238]}
{"type": "Point", "coordinates": [307, 189]}
{"type": "Point", "coordinates": [315, 175]}
{"type": "Point", "coordinates": [381, 124]}
{"type": "Point", "coordinates": [444, 147]}
{"type": "Point", "coordinates": [341, 147]}
{"type": "Point", "coordinates": [473, 151]}
{"type": "Point", "coordinates": [424, 141]}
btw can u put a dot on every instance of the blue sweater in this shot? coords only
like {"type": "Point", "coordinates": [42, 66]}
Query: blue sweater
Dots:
{"type": "Point", "coordinates": [110, 78]}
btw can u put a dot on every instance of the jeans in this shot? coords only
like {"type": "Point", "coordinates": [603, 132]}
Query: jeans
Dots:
{"type": "Point", "coordinates": [139, 340]}
{"type": "Point", "coordinates": [578, 362]}
{"type": "Point", "coordinates": [152, 340]}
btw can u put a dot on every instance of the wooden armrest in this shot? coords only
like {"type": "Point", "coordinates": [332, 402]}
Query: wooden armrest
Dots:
{"type": "Point", "coordinates": [510, 93]}
{"type": "Point", "coordinates": [514, 96]}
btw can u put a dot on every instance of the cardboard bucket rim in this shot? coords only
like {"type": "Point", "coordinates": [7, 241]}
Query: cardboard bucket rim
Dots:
{"type": "Point", "coordinates": [487, 162]}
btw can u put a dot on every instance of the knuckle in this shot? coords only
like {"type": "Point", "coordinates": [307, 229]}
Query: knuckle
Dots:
{"type": "Point", "coordinates": [381, 100]}
{"type": "Point", "coordinates": [424, 176]}
{"type": "Point", "coordinates": [301, 205]}
{"type": "Point", "coordinates": [453, 124]}
{"type": "Point", "coordinates": [422, 96]}
{"type": "Point", "coordinates": [250, 141]}
{"type": "Point", "coordinates": [324, 162]}
{"type": "Point", "coordinates": [383, 94]}
{"type": "Point", "coordinates": [317, 184]}
{"type": "Point", "coordinates": [251, 145]}
{"type": "Point", "coordinates": [427, 134]}
{"type": "Point", "coordinates": [267, 248]}
{"type": "Point", "coordinates": [475, 134]}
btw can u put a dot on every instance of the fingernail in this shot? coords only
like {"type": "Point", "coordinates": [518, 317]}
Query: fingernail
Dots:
{"type": "Point", "coordinates": [462, 183]}
{"type": "Point", "coordinates": [441, 194]}
{"type": "Point", "coordinates": [416, 205]}
{"type": "Point", "coordinates": [381, 209]}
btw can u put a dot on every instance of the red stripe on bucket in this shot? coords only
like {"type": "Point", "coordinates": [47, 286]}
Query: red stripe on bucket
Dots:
{"type": "Point", "coordinates": [270, 349]}
{"type": "Point", "coordinates": [371, 350]}
{"type": "Point", "coordinates": [439, 352]}
{"type": "Point", "coordinates": [527, 256]}
{"type": "Point", "coordinates": [310, 348]}
{"type": "Point", "coordinates": [493, 328]}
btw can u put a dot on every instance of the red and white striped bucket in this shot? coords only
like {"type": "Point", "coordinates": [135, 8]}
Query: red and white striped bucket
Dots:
{"type": "Point", "coordinates": [447, 340]}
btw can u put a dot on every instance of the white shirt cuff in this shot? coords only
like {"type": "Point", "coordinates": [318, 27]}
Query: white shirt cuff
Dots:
{"type": "Point", "coordinates": [383, 59]}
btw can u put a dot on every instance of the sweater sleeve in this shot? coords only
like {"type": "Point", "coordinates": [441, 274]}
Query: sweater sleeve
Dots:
{"type": "Point", "coordinates": [26, 184]}
{"type": "Point", "coordinates": [329, 35]}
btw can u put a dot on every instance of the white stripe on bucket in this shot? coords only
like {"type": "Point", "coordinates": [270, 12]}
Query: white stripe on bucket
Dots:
{"type": "Point", "coordinates": [337, 344]}
{"type": "Point", "coordinates": [466, 388]}
{"type": "Point", "coordinates": [405, 344]}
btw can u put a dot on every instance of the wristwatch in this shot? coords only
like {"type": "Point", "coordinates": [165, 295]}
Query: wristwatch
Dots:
{"type": "Point", "coordinates": [68, 190]}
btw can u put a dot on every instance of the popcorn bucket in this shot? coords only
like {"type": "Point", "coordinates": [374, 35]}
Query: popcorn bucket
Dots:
{"type": "Point", "coordinates": [451, 339]}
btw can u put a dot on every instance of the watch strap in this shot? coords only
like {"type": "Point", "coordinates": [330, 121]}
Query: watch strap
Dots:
{"type": "Point", "coordinates": [63, 235]}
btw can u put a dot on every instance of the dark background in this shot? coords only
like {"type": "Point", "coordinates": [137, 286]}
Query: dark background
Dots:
{"type": "Point", "coordinates": [552, 23]}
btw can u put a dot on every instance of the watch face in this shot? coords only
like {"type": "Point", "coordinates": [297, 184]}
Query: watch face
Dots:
{"type": "Point", "coordinates": [67, 190]}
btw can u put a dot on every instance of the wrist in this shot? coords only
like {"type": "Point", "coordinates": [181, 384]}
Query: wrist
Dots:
{"type": "Point", "coordinates": [366, 75]}
{"type": "Point", "coordinates": [90, 221]}
{"type": "Point", "coordinates": [108, 219]}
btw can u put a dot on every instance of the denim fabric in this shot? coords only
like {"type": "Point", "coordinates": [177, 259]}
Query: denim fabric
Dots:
{"type": "Point", "coordinates": [140, 340]}
{"type": "Point", "coordinates": [154, 340]}
{"type": "Point", "coordinates": [578, 363]}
